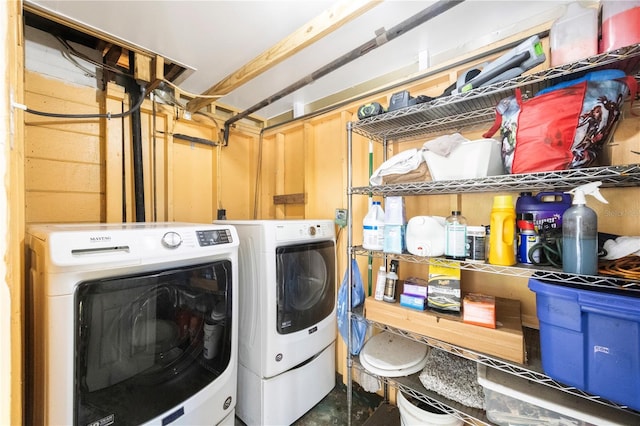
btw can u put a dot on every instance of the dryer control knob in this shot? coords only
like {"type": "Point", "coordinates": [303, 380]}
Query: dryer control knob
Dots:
{"type": "Point", "coordinates": [171, 239]}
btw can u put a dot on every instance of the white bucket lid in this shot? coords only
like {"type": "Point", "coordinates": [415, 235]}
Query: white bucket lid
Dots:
{"type": "Point", "coordinates": [391, 355]}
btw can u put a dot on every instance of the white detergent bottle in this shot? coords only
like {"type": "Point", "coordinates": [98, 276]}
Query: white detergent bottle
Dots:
{"type": "Point", "coordinates": [373, 228]}
{"type": "Point", "coordinates": [580, 232]}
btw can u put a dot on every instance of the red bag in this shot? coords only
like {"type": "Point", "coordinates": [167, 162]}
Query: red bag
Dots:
{"type": "Point", "coordinates": [563, 127]}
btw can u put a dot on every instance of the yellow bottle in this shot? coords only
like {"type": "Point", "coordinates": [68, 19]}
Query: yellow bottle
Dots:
{"type": "Point", "coordinates": [503, 231]}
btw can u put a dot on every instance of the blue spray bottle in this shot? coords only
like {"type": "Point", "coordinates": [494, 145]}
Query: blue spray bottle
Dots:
{"type": "Point", "coordinates": [580, 232]}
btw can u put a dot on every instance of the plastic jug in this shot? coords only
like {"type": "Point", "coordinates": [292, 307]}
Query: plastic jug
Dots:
{"type": "Point", "coordinates": [574, 35]}
{"type": "Point", "coordinates": [503, 231]}
{"type": "Point", "coordinates": [546, 207]}
{"type": "Point", "coordinates": [620, 26]}
{"type": "Point", "coordinates": [373, 228]}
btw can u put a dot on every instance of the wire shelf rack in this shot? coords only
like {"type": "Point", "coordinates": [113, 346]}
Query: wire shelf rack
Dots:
{"type": "Point", "coordinates": [470, 109]}
{"type": "Point", "coordinates": [610, 176]}
{"type": "Point", "coordinates": [532, 371]}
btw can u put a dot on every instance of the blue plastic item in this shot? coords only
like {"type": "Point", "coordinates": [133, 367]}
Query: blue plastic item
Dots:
{"type": "Point", "coordinates": [590, 340]}
{"type": "Point", "coordinates": [358, 327]}
{"type": "Point", "coordinates": [592, 76]}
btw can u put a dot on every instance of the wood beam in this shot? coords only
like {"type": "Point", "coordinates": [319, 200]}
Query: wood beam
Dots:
{"type": "Point", "coordinates": [325, 23]}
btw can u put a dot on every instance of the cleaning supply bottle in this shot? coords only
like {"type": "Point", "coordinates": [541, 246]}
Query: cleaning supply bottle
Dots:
{"type": "Point", "coordinates": [455, 236]}
{"type": "Point", "coordinates": [380, 283]}
{"type": "Point", "coordinates": [580, 232]}
{"type": "Point", "coordinates": [373, 228]}
{"type": "Point", "coordinates": [502, 248]}
{"type": "Point", "coordinates": [390, 283]}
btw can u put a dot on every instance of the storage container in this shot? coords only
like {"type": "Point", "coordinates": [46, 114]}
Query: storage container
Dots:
{"type": "Point", "coordinates": [620, 24]}
{"type": "Point", "coordinates": [414, 415]}
{"type": "Point", "coordinates": [472, 159]}
{"type": "Point", "coordinates": [511, 400]}
{"type": "Point", "coordinates": [574, 35]}
{"type": "Point", "coordinates": [590, 340]}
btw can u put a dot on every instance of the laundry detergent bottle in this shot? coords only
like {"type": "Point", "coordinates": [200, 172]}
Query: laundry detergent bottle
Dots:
{"type": "Point", "coordinates": [580, 232]}
{"type": "Point", "coordinates": [373, 228]}
{"type": "Point", "coordinates": [502, 249]}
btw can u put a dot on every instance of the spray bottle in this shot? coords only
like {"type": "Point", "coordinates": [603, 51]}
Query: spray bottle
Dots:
{"type": "Point", "coordinates": [580, 232]}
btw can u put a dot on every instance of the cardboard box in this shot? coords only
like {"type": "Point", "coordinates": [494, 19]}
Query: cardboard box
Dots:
{"type": "Point", "coordinates": [506, 341]}
{"type": "Point", "coordinates": [415, 286]}
{"type": "Point", "coordinates": [412, 301]}
{"type": "Point", "coordinates": [443, 292]}
{"type": "Point", "coordinates": [479, 309]}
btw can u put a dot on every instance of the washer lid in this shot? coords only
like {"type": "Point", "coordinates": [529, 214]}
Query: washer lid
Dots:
{"type": "Point", "coordinates": [387, 351]}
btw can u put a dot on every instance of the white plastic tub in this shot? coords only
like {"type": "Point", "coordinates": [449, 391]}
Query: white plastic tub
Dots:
{"type": "Point", "coordinates": [511, 400]}
{"type": "Point", "coordinates": [472, 159]}
{"type": "Point", "coordinates": [410, 415]}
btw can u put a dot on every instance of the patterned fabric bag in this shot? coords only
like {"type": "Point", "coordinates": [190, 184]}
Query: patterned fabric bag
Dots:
{"type": "Point", "coordinates": [564, 126]}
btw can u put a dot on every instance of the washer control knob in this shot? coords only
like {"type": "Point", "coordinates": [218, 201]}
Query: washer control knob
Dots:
{"type": "Point", "coordinates": [171, 239]}
{"type": "Point", "coordinates": [312, 230]}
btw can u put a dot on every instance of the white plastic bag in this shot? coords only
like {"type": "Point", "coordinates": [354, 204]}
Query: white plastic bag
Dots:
{"type": "Point", "coordinates": [358, 327]}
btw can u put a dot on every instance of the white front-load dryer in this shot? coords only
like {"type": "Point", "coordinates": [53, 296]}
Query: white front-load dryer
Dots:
{"type": "Point", "coordinates": [287, 293]}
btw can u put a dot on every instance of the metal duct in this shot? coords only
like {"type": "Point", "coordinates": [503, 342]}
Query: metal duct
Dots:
{"type": "Point", "coordinates": [380, 39]}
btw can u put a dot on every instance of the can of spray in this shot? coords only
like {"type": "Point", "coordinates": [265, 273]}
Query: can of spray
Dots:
{"type": "Point", "coordinates": [390, 283]}
{"type": "Point", "coordinates": [527, 239]}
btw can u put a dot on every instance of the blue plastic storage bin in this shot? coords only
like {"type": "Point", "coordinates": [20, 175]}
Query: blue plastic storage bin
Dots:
{"type": "Point", "coordinates": [590, 340]}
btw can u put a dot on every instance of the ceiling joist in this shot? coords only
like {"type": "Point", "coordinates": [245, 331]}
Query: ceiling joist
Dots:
{"type": "Point", "coordinates": [330, 20]}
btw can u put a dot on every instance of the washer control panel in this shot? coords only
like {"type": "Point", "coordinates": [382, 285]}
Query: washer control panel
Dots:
{"type": "Point", "coordinates": [300, 231]}
{"type": "Point", "coordinates": [214, 237]}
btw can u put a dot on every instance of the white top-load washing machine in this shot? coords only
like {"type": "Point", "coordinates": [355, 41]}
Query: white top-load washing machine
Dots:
{"type": "Point", "coordinates": [287, 295]}
{"type": "Point", "coordinates": [132, 324]}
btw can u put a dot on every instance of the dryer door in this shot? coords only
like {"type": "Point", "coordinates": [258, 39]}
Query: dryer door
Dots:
{"type": "Point", "coordinates": [306, 285]}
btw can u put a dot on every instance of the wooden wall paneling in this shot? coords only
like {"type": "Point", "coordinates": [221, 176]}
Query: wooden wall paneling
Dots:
{"type": "Point", "coordinates": [63, 167]}
{"type": "Point", "coordinates": [55, 144]}
{"type": "Point", "coordinates": [237, 175]}
{"type": "Point", "coordinates": [294, 152]}
{"type": "Point", "coordinates": [57, 207]}
{"type": "Point", "coordinates": [158, 171]}
{"type": "Point", "coordinates": [193, 176]}
{"type": "Point", "coordinates": [165, 127]}
{"type": "Point", "coordinates": [146, 132]}
{"type": "Point", "coordinates": [316, 194]}
{"type": "Point", "coordinates": [625, 143]}
{"type": "Point", "coordinates": [265, 182]}
{"type": "Point", "coordinates": [43, 175]}
{"type": "Point", "coordinates": [279, 174]}
{"type": "Point", "coordinates": [13, 227]}
{"type": "Point", "coordinates": [113, 155]}
{"type": "Point", "coordinates": [324, 177]}
{"type": "Point", "coordinates": [54, 90]}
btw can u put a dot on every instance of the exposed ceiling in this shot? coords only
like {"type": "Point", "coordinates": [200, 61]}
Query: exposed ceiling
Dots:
{"type": "Point", "coordinates": [213, 40]}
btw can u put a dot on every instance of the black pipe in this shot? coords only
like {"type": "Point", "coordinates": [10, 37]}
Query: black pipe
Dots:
{"type": "Point", "coordinates": [136, 134]}
{"type": "Point", "coordinates": [398, 30]}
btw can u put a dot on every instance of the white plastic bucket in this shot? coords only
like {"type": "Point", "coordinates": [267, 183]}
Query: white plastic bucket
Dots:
{"type": "Point", "coordinates": [410, 415]}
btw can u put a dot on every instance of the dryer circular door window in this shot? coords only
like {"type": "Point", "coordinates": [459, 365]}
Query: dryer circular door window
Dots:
{"type": "Point", "coordinates": [306, 285]}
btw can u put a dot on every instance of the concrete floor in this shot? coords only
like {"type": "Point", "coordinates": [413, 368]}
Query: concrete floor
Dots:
{"type": "Point", "coordinates": [332, 409]}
